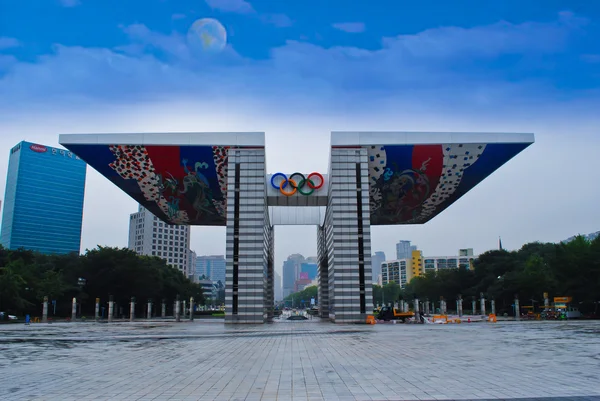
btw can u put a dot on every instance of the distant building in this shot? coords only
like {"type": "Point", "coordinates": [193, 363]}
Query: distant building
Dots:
{"type": "Point", "coordinates": [376, 260]}
{"type": "Point", "coordinates": [212, 267]}
{"type": "Point", "coordinates": [43, 202]}
{"type": "Point", "coordinates": [277, 287]}
{"type": "Point", "coordinates": [403, 250]}
{"type": "Point", "coordinates": [465, 252]}
{"type": "Point", "coordinates": [192, 266]}
{"type": "Point", "coordinates": [152, 237]}
{"type": "Point", "coordinates": [207, 288]}
{"type": "Point", "coordinates": [416, 263]}
{"type": "Point", "coordinates": [302, 282]}
{"type": "Point", "coordinates": [291, 272]}
{"type": "Point", "coordinates": [465, 259]}
{"type": "Point", "coordinates": [310, 269]}
{"type": "Point", "coordinates": [401, 271]}
{"type": "Point", "coordinates": [396, 271]}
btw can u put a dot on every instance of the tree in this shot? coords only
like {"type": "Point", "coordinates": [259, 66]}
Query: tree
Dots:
{"type": "Point", "coordinates": [12, 286]}
{"type": "Point", "coordinates": [302, 298]}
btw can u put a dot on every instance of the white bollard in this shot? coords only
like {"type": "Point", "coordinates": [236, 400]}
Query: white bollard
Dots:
{"type": "Point", "coordinates": [74, 310]}
{"type": "Point", "coordinates": [45, 310]}
{"type": "Point", "coordinates": [97, 310]}
{"type": "Point", "coordinates": [132, 310]}
{"type": "Point", "coordinates": [111, 310]}
{"type": "Point", "coordinates": [177, 312]}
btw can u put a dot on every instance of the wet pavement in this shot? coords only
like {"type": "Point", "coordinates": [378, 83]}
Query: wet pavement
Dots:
{"type": "Point", "coordinates": [299, 360]}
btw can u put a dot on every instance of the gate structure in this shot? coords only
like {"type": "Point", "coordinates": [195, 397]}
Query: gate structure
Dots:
{"type": "Point", "coordinates": [374, 178]}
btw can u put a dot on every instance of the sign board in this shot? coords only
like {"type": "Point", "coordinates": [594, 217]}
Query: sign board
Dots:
{"type": "Point", "coordinates": [562, 299]}
{"type": "Point", "coordinates": [312, 301]}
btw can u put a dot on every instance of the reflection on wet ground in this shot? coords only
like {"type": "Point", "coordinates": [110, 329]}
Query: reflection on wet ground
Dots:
{"type": "Point", "coordinates": [299, 360]}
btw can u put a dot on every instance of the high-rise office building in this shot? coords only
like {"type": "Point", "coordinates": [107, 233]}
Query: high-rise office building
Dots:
{"type": "Point", "coordinates": [291, 272]}
{"type": "Point", "coordinates": [277, 287]}
{"type": "Point", "coordinates": [403, 250]}
{"type": "Point", "coordinates": [192, 266]}
{"type": "Point", "coordinates": [152, 237]}
{"type": "Point", "coordinates": [376, 260]}
{"type": "Point", "coordinates": [310, 269]}
{"type": "Point", "coordinates": [212, 267]}
{"type": "Point", "coordinates": [43, 202]}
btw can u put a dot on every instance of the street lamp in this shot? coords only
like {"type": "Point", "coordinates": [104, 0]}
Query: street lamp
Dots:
{"type": "Point", "coordinates": [81, 283]}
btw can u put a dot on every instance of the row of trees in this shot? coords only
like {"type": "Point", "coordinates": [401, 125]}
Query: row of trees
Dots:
{"type": "Point", "coordinates": [301, 298]}
{"type": "Point", "coordinates": [27, 277]}
{"type": "Point", "coordinates": [565, 269]}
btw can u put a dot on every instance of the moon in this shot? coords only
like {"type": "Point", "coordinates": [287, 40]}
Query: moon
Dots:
{"type": "Point", "coordinates": [207, 34]}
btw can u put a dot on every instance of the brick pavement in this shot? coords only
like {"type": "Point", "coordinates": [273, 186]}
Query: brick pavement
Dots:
{"type": "Point", "coordinates": [308, 360]}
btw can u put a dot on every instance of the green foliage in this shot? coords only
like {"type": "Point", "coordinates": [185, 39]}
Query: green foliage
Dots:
{"type": "Point", "coordinates": [571, 269]}
{"type": "Point", "coordinates": [295, 300]}
{"type": "Point", "coordinates": [389, 293]}
{"type": "Point", "coordinates": [26, 278]}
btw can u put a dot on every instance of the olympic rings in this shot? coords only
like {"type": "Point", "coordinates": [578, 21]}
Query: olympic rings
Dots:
{"type": "Point", "coordinates": [297, 185]}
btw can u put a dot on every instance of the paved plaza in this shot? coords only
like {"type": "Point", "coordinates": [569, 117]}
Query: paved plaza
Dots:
{"type": "Point", "coordinates": [305, 360]}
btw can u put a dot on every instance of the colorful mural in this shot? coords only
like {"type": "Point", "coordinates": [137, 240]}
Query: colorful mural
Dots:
{"type": "Point", "coordinates": [179, 184]}
{"type": "Point", "coordinates": [411, 184]}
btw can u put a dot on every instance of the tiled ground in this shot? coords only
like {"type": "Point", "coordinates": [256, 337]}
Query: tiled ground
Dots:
{"type": "Point", "coordinates": [299, 360]}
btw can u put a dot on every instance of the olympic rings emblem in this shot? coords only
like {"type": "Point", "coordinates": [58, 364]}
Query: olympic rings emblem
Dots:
{"type": "Point", "coordinates": [297, 185]}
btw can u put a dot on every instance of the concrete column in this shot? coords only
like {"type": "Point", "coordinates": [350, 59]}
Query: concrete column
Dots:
{"type": "Point", "coordinates": [474, 306]}
{"type": "Point", "coordinates": [149, 309]}
{"type": "Point", "coordinates": [493, 305]}
{"type": "Point", "coordinates": [132, 309]}
{"type": "Point", "coordinates": [184, 309]}
{"type": "Point", "coordinates": [74, 309]}
{"type": "Point", "coordinates": [175, 308]}
{"type": "Point", "coordinates": [97, 310]}
{"type": "Point", "coordinates": [546, 302]}
{"type": "Point", "coordinates": [460, 306]}
{"type": "Point", "coordinates": [427, 307]}
{"type": "Point", "coordinates": [482, 303]}
{"type": "Point", "coordinates": [111, 309]}
{"type": "Point", "coordinates": [416, 306]}
{"type": "Point", "coordinates": [517, 309]}
{"type": "Point", "coordinates": [163, 311]}
{"type": "Point", "coordinates": [191, 308]}
{"type": "Point", "coordinates": [177, 311]}
{"type": "Point", "coordinates": [45, 310]}
{"type": "Point", "coordinates": [441, 305]}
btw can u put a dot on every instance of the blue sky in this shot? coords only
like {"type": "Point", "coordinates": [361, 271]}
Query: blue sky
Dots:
{"type": "Point", "coordinates": [298, 69]}
{"type": "Point", "coordinates": [138, 49]}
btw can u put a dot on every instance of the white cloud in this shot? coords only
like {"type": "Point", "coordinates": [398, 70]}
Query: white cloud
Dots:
{"type": "Point", "coordinates": [350, 27]}
{"type": "Point", "coordinates": [231, 6]}
{"type": "Point", "coordinates": [7, 43]}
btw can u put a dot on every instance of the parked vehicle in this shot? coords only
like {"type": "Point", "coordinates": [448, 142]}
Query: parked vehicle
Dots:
{"type": "Point", "coordinates": [6, 316]}
{"type": "Point", "coordinates": [388, 313]}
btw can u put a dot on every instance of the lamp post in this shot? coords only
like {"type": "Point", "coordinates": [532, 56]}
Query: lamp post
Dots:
{"type": "Point", "coordinates": [81, 282]}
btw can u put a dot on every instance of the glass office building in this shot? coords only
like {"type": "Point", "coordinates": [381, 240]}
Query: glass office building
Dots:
{"type": "Point", "coordinates": [43, 202]}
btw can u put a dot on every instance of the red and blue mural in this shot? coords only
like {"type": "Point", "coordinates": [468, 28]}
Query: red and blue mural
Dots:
{"type": "Point", "coordinates": [411, 184]}
{"type": "Point", "coordinates": [178, 184]}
